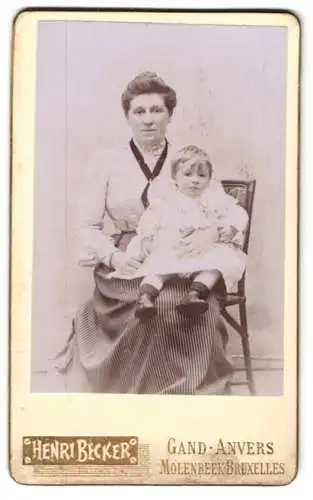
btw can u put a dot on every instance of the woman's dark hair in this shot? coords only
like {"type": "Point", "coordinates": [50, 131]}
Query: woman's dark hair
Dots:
{"type": "Point", "coordinates": [198, 155]}
{"type": "Point", "coordinates": [149, 83]}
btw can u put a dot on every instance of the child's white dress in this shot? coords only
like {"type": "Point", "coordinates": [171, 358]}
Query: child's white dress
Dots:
{"type": "Point", "coordinates": [172, 215]}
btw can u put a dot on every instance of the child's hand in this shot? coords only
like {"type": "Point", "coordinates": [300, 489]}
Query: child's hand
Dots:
{"type": "Point", "coordinates": [197, 242]}
{"type": "Point", "coordinates": [226, 234]}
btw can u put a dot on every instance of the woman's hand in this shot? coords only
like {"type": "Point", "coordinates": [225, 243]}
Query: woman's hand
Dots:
{"type": "Point", "coordinates": [124, 264]}
{"type": "Point", "coordinates": [197, 242]}
{"type": "Point", "coordinates": [226, 234]}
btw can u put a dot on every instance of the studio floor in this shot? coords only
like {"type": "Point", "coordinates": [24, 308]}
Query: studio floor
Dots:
{"type": "Point", "coordinates": [267, 383]}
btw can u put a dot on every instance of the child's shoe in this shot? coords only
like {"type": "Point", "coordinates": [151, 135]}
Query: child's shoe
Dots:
{"type": "Point", "coordinates": [192, 305]}
{"type": "Point", "coordinates": [145, 307]}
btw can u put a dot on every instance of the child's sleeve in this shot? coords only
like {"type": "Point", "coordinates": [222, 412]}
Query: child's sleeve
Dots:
{"type": "Point", "coordinates": [140, 246]}
{"type": "Point", "coordinates": [150, 220]}
{"type": "Point", "coordinates": [233, 214]}
{"type": "Point", "coordinates": [148, 223]}
{"type": "Point", "coordinates": [238, 217]}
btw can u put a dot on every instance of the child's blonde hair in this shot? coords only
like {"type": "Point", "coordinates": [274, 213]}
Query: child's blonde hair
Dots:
{"type": "Point", "coordinates": [190, 153]}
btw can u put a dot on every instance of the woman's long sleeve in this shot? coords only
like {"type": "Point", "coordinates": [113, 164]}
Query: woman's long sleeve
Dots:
{"type": "Point", "coordinates": [93, 245]}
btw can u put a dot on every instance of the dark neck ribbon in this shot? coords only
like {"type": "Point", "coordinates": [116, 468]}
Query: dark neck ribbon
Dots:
{"type": "Point", "coordinates": [149, 175]}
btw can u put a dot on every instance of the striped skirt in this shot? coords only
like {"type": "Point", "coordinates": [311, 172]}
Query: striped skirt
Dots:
{"type": "Point", "coordinates": [111, 351]}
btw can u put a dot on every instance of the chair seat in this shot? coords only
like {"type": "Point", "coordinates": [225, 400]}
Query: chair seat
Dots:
{"type": "Point", "coordinates": [232, 299]}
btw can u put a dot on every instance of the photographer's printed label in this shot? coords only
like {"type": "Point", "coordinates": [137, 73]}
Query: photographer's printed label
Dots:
{"type": "Point", "coordinates": [80, 450]}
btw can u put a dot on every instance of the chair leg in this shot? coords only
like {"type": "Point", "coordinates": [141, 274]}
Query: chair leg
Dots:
{"type": "Point", "coordinates": [223, 331]}
{"type": "Point", "coordinates": [227, 389]}
{"type": "Point", "coordinates": [246, 348]}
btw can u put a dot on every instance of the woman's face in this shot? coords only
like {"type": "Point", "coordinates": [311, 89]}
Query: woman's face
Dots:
{"type": "Point", "coordinates": [148, 117]}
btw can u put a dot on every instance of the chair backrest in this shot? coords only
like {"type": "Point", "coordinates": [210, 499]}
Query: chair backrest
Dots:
{"type": "Point", "coordinates": [243, 191]}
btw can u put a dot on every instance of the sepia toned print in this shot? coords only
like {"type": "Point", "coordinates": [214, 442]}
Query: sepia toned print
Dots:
{"type": "Point", "coordinates": [161, 190]}
{"type": "Point", "coordinates": [93, 193]}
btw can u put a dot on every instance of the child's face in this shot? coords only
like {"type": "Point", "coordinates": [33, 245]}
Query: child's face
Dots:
{"type": "Point", "coordinates": [192, 177]}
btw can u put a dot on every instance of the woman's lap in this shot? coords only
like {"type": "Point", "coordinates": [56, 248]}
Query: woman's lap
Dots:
{"type": "Point", "coordinates": [169, 354]}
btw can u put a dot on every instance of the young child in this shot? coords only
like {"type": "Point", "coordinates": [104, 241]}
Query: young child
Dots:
{"type": "Point", "coordinates": [192, 203]}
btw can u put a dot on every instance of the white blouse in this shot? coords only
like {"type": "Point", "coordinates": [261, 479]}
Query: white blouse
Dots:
{"type": "Point", "coordinates": [111, 201]}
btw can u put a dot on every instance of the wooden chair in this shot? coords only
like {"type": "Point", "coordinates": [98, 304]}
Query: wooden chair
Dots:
{"type": "Point", "coordinates": [243, 191]}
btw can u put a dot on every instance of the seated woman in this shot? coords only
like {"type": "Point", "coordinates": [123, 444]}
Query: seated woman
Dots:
{"type": "Point", "coordinates": [110, 350]}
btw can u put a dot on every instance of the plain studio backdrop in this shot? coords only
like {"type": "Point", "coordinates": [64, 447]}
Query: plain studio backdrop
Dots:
{"type": "Point", "coordinates": [231, 89]}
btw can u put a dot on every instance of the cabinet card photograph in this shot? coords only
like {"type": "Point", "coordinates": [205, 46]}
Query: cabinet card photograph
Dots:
{"type": "Point", "coordinates": [154, 247]}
